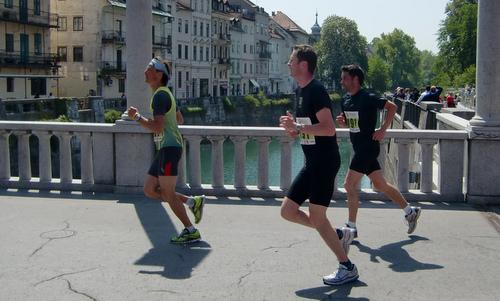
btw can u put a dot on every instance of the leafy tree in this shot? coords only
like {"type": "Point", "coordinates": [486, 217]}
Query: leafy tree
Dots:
{"type": "Point", "coordinates": [340, 44]}
{"type": "Point", "coordinates": [378, 74]}
{"type": "Point", "coordinates": [399, 52]}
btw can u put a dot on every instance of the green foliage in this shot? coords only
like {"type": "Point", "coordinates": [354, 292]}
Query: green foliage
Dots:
{"type": "Point", "coordinates": [264, 101]}
{"type": "Point", "coordinates": [340, 44]}
{"type": "Point", "coordinates": [281, 102]}
{"type": "Point", "coordinates": [62, 118]}
{"type": "Point", "coordinates": [335, 97]}
{"type": "Point", "coordinates": [228, 105]}
{"type": "Point", "coordinates": [60, 106]}
{"type": "Point", "coordinates": [468, 77]}
{"type": "Point", "coordinates": [427, 68]}
{"type": "Point", "coordinates": [193, 110]}
{"type": "Point", "coordinates": [252, 100]}
{"type": "Point", "coordinates": [398, 51]}
{"type": "Point", "coordinates": [110, 116]}
{"type": "Point", "coordinates": [378, 74]}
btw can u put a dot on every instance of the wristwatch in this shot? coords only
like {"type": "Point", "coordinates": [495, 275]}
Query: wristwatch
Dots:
{"type": "Point", "coordinates": [299, 127]}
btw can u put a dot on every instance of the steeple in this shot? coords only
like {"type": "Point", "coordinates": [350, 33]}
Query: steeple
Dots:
{"type": "Point", "coordinates": [316, 29]}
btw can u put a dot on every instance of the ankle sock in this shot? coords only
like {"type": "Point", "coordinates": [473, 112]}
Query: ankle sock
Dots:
{"type": "Point", "coordinates": [348, 264]}
{"type": "Point", "coordinates": [190, 202]}
{"type": "Point", "coordinates": [408, 210]}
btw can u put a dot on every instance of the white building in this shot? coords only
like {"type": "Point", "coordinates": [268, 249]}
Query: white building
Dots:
{"type": "Point", "coordinates": [182, 51]}
{"type": "Point", "coordinates": [201, 41]}
{"type": "Point", "coordinates": [28, 68]}
{"type": "Point", "coordinates": [221, 43]}
{"type": "Point", "coordinates": [93, 44]}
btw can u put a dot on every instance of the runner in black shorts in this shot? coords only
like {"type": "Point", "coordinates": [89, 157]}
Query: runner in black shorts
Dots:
{"type": "Point", "coordinates": [359, 113]}
{"type": "Point", "coordinates": [315, 126]}
{"type": "Point", "coordinates": [162, 176]}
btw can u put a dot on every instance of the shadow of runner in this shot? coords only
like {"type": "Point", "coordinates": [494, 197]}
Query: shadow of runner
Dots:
{"type": "Point", "coordinates": [177, 261]}
{"type": "Point", "coordinates": [399, 259]}
{"type": "Point", "coordinates": [331, 292]}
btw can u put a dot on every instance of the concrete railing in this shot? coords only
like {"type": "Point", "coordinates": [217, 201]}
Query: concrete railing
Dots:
{"type": "Point", "coordinates": [106, 163]}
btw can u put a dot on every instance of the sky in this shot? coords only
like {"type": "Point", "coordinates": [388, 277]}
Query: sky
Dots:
{"type": "Point", "coordinates": [418, 18]}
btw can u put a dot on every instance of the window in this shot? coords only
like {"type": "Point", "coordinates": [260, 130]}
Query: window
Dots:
{"type": "Point", "coordinates": [251, 48]}
{"type": "Point", "coordinates": [244, 48]}
{"type": "Point", "coordinates": [207, 54]}
{"type": "Point", "coordinates": [179, 51]}
{"type": "Point", "coordinates": [37, 7]}
{"type": "Point", "coordinates": [121, 85]}
{"type": "Point", "coordinates": [77, 23]}
{"type": "Point", "coordinates": [201, 53]}
{"type": "Point", "coordinates": [8, 3]}
{"type": "Point", "coordinates": [187, 77]}
{"type": "Point", "coordinates": [9, 42]}
{"type": "Point", "coordinates": [195, 27]}
{"type": "Point", "coordinates": [179, 79]}
{"type": "Point", "coordinates": [214, 27]}
{"type": "Point", "coordinates": [62, 53]}
{"type": "Point", "coordinates": [215, 72]}
{"type": "Point", "coordinates": [245, 68]}
{"type": "Point", "coordinates": [201, 28]}
{"type": "Point", "coordinates": [78, 54]}
{"type": "Point", "coordinates": [10, 84]}
{"type": "Point", "coordinates": [251, 68]}
{"type": "Point", "coordinates": [194, 53]}
{"type": "Point", "coordinates": [186, 52]}
{"type": "Point", "coordinates": [38, 44]}
{"type": "Point", "coordinates": [186, 26]}
{"type": "Point", "coordinates": [208, 30]}
{"type": "Point", "coordinates": [63, 24]}
{"type": "Point", "coordinates": [179, 29]}
{"type": "Point", "coordinates": [38, 86]}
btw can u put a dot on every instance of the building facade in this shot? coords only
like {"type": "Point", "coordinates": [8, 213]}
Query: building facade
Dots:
{"type": "Point", "coordinates": [28, 64]}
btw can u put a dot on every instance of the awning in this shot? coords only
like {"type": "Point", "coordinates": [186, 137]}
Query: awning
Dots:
{"type": "Point", "coordinates": [29, 76]}
{"type": "Point", "coordinates": [155, 10]}
{"type": "Point", "coordinates": [255, 83]}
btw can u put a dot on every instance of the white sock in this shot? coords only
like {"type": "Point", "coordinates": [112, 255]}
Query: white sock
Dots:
{"type": "Point", "coordinates": [351, 224]}
{"type": "Point", "coordinates": [191, 229]}
{"type": "Point", "coordinates": [408, 210]}
{"type": "Point", "coordinates": [190, 201]}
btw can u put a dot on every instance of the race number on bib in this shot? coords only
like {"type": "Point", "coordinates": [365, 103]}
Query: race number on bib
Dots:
{"type": "Point", "coordinates": [352, 120]}
{"type": "Point", "coordinates": [157, 139]}
{"type": "Point", "coordinates": [306, 139]}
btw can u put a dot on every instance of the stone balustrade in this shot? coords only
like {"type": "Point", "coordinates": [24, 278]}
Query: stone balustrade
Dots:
{"type": "Point", "coordinates": [107, 160]}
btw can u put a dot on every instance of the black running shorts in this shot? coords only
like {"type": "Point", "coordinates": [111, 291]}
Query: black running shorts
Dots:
{"type": "Point", "coordinates": [166, 162]}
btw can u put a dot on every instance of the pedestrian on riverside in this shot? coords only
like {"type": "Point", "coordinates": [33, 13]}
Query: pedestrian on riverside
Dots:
{"type": "Point", "coordinates": [315, 127]}
{"type": "Point", "coordinates": [359, 114]}
{"type": "Point", "coordinates": [162, 176]}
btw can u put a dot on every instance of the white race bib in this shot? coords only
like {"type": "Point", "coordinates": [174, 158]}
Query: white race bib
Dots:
{"type": "Point", "coordinates": [306, 139]}
{"type": "Point", "coordinates": [157, 139]}
{"type": "Point", "coordinates": [352, 120]}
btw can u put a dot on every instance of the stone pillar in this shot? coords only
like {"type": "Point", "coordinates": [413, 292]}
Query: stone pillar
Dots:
{"type": "Point", "coordinates": [24, 162]}
{"type": "Point", "coordinates": [427, 146]}
{"type": "Point", "coordinates": [484, 128]}
{"type": "Point", "coordinates": [263, 163]}
{"type": "Point", "coordinates": [5, 157]}
{"type": "Point", "coordinates": [240, 143]}
{"type": "Point", "coordinates": [217, 161]}
{"type": "Point", "coordinates": [86, 161]}
{"type": "Point", "coordinates": [194, 161]}
{"type": "Point", "coordinates": [138, 22]}
{"type": "Point", "coordinates": [97, 105]}
{"type": "Point", "coordinates": [45, 164]}
{"type": "Point", "coordinates": [65, 164]}
{"type": "Point", "coordinates": [286, 162]}
{"type": "Point", "coordinates": [403, 163]}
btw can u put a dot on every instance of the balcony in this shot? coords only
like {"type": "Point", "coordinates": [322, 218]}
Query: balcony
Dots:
{"type": "Point", "coordinates": [30, 59]}
{"type": "Point", "coordinates": [113, 36]}
{"type": "Point", "coordinates": [265, 55]}
{"type": "Point", "coordinates": [28, 16]}
{"type": "Point", "coordinates": [162, 42]}
{"type": "Point", "coordinates": [113, 67]}
{"type": "Point", "coordinates": [224, 61]}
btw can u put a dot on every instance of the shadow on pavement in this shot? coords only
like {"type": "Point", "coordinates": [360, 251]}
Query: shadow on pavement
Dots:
{"type": "Point", "coordinates": [177, 261]}
{"type": "Point", "coordinates": [331, 292]}
{"type": "Point", "coordinates": [399, 259]}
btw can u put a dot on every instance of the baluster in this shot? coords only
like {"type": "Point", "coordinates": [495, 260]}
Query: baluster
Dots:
{"type": "Point", "coordinates": [65, 165]}
{"type": "Point", "coordinates": [194, 161]}
{"type": "Point", "coordinates": [263, 163]}
{"type": "Point", "coordinates": [286, 162]}
{"type": "Point", "coordinates": [403, 161]}
{"type": "Point", "coordinates": [87, 167]}
{"type": "Point", "coordinates": [427, 156]}
{"type": "Point", "coordinates": [217, 161]}
{"type": "Point", "coordinates": [382, 157]}
{"type": "Point", "coordinates": [240, 150]}
{"type": "Point", "coordinates": [45, 163]}
{"type": "Point", "coordinates": [24, 162]}
{"type": "Point", "coordinates": [181, 175]}
{"type": "Point", "coordinates": [5, 158]}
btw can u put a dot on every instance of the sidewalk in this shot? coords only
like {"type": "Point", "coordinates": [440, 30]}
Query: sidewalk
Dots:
{"type": "Point", "coordinates": [112, 247]}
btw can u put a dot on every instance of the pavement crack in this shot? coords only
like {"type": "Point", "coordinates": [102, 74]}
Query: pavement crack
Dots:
{"type": "Point", "coordinates": [53, 235]}
{"type": "Point", "coordinates": [240, 280]}
{"type": "Point", "coordinates": [286, 247]}
{"type": "Point", "coordinates": [164, 291]}
{"type": "Point", "coordinates": [77, 292]}
{"type": "Point", "coordinates": [62, 275]}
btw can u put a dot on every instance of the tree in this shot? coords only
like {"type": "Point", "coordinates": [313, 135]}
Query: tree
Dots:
{"type": "Point", "coordinates": [427, 70]}
{"type": "Point", "coordinates": [378, 74]}
{"type": "Point", "coordinates": [340, 44]}
{"type": "Point", "coordinates": [457, 39]}
{"type": "Point", "coordinates": [398, 50]}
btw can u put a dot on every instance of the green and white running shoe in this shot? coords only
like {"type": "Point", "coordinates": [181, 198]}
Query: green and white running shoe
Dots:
{"type": "Point", "coordinates": [197, 209]}
{"type": "Point", "coordinates": [186, 237]}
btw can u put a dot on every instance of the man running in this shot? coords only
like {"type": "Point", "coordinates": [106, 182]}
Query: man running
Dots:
{"type": "Point", "coordinates": [315, 126]}
{"type": "Point", "coordinates": [359, 113]}
{"type": "Point", "coordinates": [162, 176]}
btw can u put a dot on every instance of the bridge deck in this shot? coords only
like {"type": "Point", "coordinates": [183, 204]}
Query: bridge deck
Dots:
{"type": "Point", "coordinates": [112, 247]}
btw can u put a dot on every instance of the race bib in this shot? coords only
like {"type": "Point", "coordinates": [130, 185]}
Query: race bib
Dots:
{"type": "Point", "coordinates": [306, 139]}
{"type": "Point", "coordinates": [352, 120]}
{"type": "Point", "coordinates": [157, 139]}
